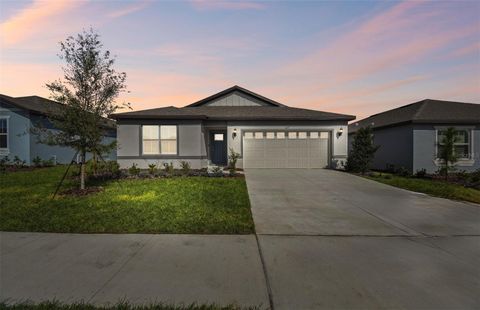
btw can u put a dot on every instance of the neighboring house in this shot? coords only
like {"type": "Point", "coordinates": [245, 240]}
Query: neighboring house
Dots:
{"type": "Point", "coordinates": [18, 115]}
{"type": "Point", "coordinates": [265, 133]}
{"type": "Point", "coordinates": [409, 136]}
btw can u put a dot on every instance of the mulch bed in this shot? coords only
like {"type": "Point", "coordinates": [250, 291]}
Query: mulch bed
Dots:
{"type": "Point", "coordinates": [76, 192]}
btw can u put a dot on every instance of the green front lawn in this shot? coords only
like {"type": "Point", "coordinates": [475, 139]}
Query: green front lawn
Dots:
{"type": "Point", "coordinates": [198, 205]}
{"type": "Point", "coordinates": [436, 188]}
{"type": "Point", "coordinates": [54, 305]}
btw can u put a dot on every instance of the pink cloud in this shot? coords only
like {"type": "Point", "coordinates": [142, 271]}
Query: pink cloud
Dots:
{"type": "Point", "coordinates": [129, 9]}
{"type": "Point", "coordinates": [226, 5]}
{"type": "Point", "coordinates": [34, 19]}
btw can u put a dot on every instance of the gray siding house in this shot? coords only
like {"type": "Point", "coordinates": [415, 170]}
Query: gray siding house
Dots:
{"type": "Point", "coordinates": [265, 133]}
{"type": "Point", "coordinates": [409, 136]}
{"type": "Point", "coordinates": [18, 115]}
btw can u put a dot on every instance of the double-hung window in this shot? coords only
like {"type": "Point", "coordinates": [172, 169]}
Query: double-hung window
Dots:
{"type": "Point", "coordinates": [159, 140]}
{"type": "Point", "coordinates": [3, 134]}
{"type": "Point", "coordinates": [462, 145]}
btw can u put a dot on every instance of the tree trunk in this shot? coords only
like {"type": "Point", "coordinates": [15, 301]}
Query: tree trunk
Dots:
{"type": "Point", "coordinates": [82, 171]}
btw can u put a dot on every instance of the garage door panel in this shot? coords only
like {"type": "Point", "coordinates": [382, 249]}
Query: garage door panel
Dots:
{"type": "Point", "coordinates": [286, 153]}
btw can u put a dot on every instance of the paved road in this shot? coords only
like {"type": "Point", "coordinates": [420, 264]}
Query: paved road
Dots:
{"type": "Point", "coordinates": [326, 240]}
{"type": "Point", "coordinates": [334, 241]}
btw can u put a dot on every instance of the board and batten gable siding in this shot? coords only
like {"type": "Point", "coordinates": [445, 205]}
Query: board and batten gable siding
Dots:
{"type": "Point", "coordinates": [18, 132]}
{"type": "Point", "coordinates": [236, 99]}
{"type": "Point", "coordinates": [190, 145]}
{"type": "Point", "coordinates": [338, 147]}
{"type": "Point", "coordinates": [424, 146]}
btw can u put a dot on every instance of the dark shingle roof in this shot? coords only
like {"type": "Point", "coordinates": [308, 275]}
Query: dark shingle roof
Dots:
{"type": "Point", "coordinates": [427, 111]}
{"type": "Point", "coordinates": [42, 106]}
{"type": "Point", "coordinates": [233, 113]}
{"type": "Point", "coordinates": [198, 110]}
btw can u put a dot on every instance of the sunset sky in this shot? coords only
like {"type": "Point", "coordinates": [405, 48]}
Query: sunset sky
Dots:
{"type": "Point", "coordinates": [359, 57]}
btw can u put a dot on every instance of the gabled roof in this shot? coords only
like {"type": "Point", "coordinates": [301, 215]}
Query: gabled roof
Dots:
{"type": "Point", "coordinates": [200, 111]}
{"type": "Point", "coordinates": [234, 113]}
{"type": "Point", "coordinates": [231, 90]}
{"type": "Point", "coordinates": [42, 106]}
{"type": "Point", "coordinates": [427, 111]}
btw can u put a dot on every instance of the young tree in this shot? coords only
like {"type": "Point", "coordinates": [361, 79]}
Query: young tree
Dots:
{"type": "Point", "coordinates": [362, 152]}
{"type": "Point", "coordinates": [88, 92]}
{"type": "Point", "coordinates": [446, 150]}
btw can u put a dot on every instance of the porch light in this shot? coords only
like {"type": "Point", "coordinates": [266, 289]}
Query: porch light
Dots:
{"type": "Point", "coordinates": [234, 133]}
{"type": "Point", "coordinates": [340, 131]}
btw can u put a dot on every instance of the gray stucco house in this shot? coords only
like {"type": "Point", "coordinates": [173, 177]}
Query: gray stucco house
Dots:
{"type": "Point", "coordinates": [409, 136]}
{"type": "Point", "coordinates": [265, 133]}
{"type": "Point", "coordinates": [19, 114]}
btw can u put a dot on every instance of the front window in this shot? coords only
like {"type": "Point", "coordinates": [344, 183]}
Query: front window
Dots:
{"type": "Point", "coordinates": [159, 139]}
{"type": "Point", "coordinates": [3, 133]}
{"type": "Point", "coordinates": [461, 146]}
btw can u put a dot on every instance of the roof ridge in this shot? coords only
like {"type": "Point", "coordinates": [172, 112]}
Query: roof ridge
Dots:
{"type": "Point", "coordinates": [423, 103]}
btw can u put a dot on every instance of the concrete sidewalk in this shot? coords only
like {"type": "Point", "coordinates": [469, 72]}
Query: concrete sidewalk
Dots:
{"type": "Point", "coordinates": [140, 268]}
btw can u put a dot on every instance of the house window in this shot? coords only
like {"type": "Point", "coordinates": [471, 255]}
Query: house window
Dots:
{"type": "Point", "coordinates": [218, 137]}
{"type": "Point", "coordinates": [3, 133]}
{"type": "Point", "coordinates": [159, 139]}
{"type": "Point", "coordinates": [292, 135]}
{"type": "Point", "coordinates": [314, 135]}
{"type": "Point", "coordinates": [270, 135]}
{"type": "Point", "coordinates": [461, 146]}
{"type": "Point", "coordinates": [280, 135]}
{"type": "Point", "coordinates": [302, 135]}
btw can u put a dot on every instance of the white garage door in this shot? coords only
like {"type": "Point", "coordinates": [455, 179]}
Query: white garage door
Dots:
{"type": "Point", "coordinates": [285, 149]}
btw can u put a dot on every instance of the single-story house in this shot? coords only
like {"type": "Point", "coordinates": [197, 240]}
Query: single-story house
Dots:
{"type": "Point", "coordinates": [266, 134]}
{"type": "Point", "coordinates": [18, 115]}
{"type": "Point", "coordinates": [410, 136]}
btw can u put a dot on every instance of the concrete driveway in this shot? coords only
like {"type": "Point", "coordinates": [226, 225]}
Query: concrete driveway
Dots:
{"type": "Point", "coordinates": [330, 240]}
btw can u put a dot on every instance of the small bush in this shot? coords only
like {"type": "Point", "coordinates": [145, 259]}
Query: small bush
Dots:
{"type": "Point", "coordinates": [422, 173]}
{"type": "Point", "coordinates": [37, 161]}
{"type": "Point", "coordinates": [48, 163]}
{"type": "Point", "coordinates": [403, 172]}
{"type": "Point", "coordinates": [18, 163]}
{"type": "Point", "coordinates": [185, 166]}
{"type": "Point", "coordinates": [215, 171]}
{"type": "Point", "coordinates": [152, 168]}
{"type": "Point", "coordinates": [4, 162]}
{"type": "Point", "coordinates": [232, 161]}
{"type": "Point", "coordinates": [169, 169]}
{"type": "Point", "coordinates": [134, 170]}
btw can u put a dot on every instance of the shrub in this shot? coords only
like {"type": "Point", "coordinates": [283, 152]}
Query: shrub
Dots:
{"type": "Point", "coordinates": [185, 165]}
{"type": "Point", "coordinates": [168, 168]}
{"type": "Point", "coordinates": [422, 173]}
{"type": "Point", "coordinates": [152, 168]}
{"type": "Point", "coordinates": [362, 152]}
{"type": "Point", "coordinates": [215, 171]}
{"type": "Point", "coordinates": [18, 163]}
{"type": "Point", "coordinates": [37, 161]}
{"type": "Point", "coordinates": [403, 172]}
{"type": "Point", "coordinates": [4, 162]}
{"type": "Point", "coordinates": [48, 163]}
{"type": "Point", "coordinates": [134, 170]}
{"type": "Point", "coordinates": [232, 161]}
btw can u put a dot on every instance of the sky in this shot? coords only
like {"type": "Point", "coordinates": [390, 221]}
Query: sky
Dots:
{"type": "Point", "coordinates": [353, 57]}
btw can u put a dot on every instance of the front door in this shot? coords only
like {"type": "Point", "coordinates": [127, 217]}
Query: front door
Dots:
{"type": "Point", "coordinates": [218, 147]}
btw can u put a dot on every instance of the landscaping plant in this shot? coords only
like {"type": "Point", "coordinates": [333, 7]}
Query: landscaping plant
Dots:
{"type": "Point", "coordinates": [152, 168]}
{"type": "Point", "coordinates": [88, 93]}
{"type": "Point", "coordinates": [37, 161]}
{"type": "Point", "coordinates": [232, 161]}
{"type": "Point", "coordinates": [446, 151]}
{"type": "Point", "coordinates": [185, 165]}
{"type": "Point", "coordinates": [134, 170]}
{"type": "Point", "coordinates": [363, 151]}
{"type": "Point", "coordinates": [168, 168]}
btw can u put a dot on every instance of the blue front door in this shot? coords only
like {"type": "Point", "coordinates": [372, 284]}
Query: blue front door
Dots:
{"type": "Point", "coordinates": [218, 147]}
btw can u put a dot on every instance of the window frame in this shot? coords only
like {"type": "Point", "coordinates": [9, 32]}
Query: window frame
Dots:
{"type": "Point", "coordinates": [160, 153]}
{"type": "Point", "coordinates": [469, 132]}
{"type": "Point", "coordinates": [6, 150]}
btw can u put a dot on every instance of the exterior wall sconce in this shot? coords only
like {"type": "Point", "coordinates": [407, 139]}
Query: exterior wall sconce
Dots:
{"type": "Point", "coordinates": [234, 133]}
{"type": "Point", "coordinates": [340, 131]}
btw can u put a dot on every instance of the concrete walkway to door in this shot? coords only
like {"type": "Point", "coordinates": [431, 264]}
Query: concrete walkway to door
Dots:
{"type": "Point", "coordinates": [330, 240]}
